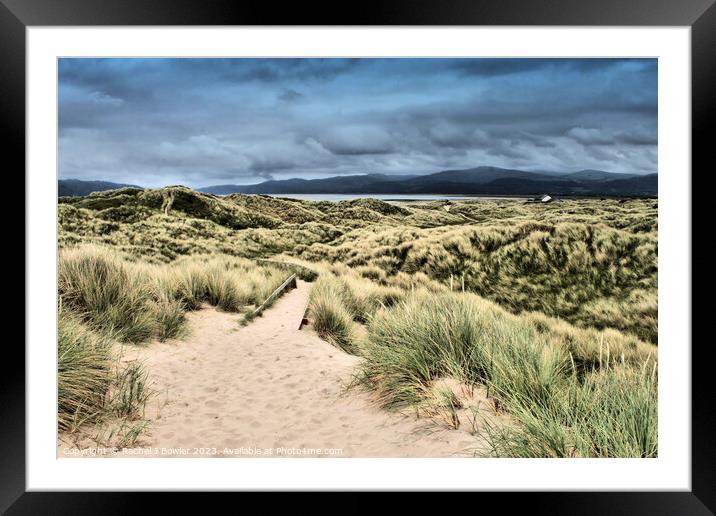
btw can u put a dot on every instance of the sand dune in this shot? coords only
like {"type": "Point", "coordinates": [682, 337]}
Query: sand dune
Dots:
{"type": "Point", "coordinates": [268, 389]}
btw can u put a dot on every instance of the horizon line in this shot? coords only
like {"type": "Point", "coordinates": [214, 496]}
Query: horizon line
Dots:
{"type": "Point", "coordinates": [366, 174]}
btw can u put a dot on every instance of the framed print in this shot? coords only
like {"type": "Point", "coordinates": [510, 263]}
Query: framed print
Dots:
{"type": "Point", "coordinates": [426, 248]}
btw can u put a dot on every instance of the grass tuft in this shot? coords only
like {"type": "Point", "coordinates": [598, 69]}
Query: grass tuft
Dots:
{"type": "Point", "coordinates": [331, 319]}
{"type": "Point", "coordinates": [84, 371]}
{"type": "Point", "coordinates": [97, 285]}
{"type": "Point", "coordinates": [561, 409]}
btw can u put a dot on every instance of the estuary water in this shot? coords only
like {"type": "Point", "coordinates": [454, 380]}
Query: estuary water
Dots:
{"type": "Point", "coordinates": [389, 197]}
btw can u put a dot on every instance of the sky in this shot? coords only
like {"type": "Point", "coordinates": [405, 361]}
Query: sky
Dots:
{"type": "Point", "coordinates": [200, 122]}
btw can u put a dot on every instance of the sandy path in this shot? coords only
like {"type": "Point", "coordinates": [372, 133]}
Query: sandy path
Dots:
{"type": "Point", "coordinates": [269, 386]}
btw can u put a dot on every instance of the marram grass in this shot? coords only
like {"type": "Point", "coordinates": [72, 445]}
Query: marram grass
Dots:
{"type": "Point", "coordinates": [106, 294]}
{"type": "Point", "coordinates": [84, 371]}
{"type": "Point", "coordinates": [591, 262]}
{"type": "Point", "coordinates": [135, 302]}
{"type": "Point", "coordinates": [577, 393]}
{"type": "Point", "coordinates": [93, 386]}
{"type": "Point", "coordinates": [331, 319]}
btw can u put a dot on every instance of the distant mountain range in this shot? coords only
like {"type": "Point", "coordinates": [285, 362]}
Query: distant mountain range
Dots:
{"type": "Point", "coordinates": [476, 181]}
{"type": "Point", "coordinates": [473, 181]}
{"type": "Point", "coordinates": [77, 187]}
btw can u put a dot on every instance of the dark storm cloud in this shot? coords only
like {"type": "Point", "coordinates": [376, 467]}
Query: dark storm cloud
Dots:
{"type": "Point", "coordinates": [635, 136]}
{"type": "Point", "coordinates": [497, 67]}
{"type": "Point", "coordinates": [347, 140]}
{"type": "Point", "coordinates": [204, 121]}
{"type": "Point", "coordinates": [290, 95]}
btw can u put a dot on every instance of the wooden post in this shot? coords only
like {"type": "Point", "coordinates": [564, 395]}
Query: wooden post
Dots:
{"type": "Point", "coordinates": [290, 281]}
{"type": "Point", "coordinates": [304, 319]}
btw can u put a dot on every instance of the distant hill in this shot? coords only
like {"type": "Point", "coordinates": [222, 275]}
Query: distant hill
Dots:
{"type": "Point", "coordinates": [475, 181]}
{"type": "Point", "coordinates": [472, 181]}
{"type": "Point", "coordinates": [80, 188]}
{"type": "Point", "coordinates": [597, 175]}
{"type": "Point", "coordinates": [637, 186]}
{"type": "Point", "coordinates": [363, 183]}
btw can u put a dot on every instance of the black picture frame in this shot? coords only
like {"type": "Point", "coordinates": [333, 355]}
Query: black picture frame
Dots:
{"type": "Point", "coordinates": [700, 15]}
